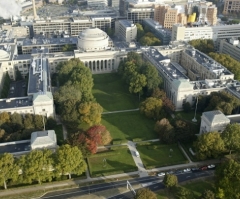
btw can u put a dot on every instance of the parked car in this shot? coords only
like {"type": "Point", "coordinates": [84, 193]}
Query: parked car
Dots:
{"type": "Point", "coordinates": [161, 174]}
{"type": "Point", "coordinates": [211, 166]}
{"type": "Point", "coordinates": [187, 170]}
{"type": "Point", "coordinates": [170, 172]}
{"type": "Point", "coordinates": [137, 154]}
{"type": "Point", "coordinates": [195, 169]}
{"type": "Point", "coordinates": [203, 168]}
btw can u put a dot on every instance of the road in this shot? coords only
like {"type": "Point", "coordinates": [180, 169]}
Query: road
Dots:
{"type": "Point", "coordinates": [157, 186]}
{"type": "Point", "coordinates": [152, 182]}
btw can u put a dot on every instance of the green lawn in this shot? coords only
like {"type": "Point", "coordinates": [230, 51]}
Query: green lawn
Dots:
{"type": "Point", "coordinates": [188, 116]}
{"type": "Point", "coordinates": [186, 147]}
{"type": "Point", "coordinates": [119, 161]}
{"type": "Point", "coordinates": [112, 93]}
{"type": "Point", "coordinates": [129, 125]}
{"type": "Point", "coordinates": [159, 156]}
{"type": "Point", "coordinates": [59, 133]}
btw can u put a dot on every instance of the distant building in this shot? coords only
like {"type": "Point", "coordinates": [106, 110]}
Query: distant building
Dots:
{"type": "Point", "coordinates": [163, 34]}
{"type": "Point", "coordinates": [43, 139]}
{"type": "Point", "coordinates": [231, 6]}
{"type": "Point", "coordinates": [97, 3]}
{"type": "Point", "coordinates": [213, 121]}
{"type": "Point", "coordinates": [230, 47]}
{"type": "Point", "coordinates": [126, 30]}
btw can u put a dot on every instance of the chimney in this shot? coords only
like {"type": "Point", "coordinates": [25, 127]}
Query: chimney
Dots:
{"type": "Point", "coordinates": [34, 10]}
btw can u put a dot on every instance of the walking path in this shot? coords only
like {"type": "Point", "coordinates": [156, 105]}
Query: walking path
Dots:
{"type": "Point", "coordinates": [186, 155]}
{"type": "Point", "coordinates": [137, 160]}
{"type": "Point", "coordinates": [130, 110]}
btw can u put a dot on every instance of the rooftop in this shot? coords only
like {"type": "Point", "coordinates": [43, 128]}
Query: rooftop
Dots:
{"type": "Point", "coordinates": [208, 62]}
{"type": "Point", "coordinates": [126, 23]}
{"type": "Point", "coordinates": [215, 116]}
{"type": "Point", "coordinates": [48, 41]}
{"type": "Point", "coordinates": [15, 102]}
{"type": "Point", "coordinates": [171, 69]}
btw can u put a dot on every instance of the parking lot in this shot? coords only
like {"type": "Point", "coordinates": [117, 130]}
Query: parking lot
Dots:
{"type": "Point", "coordinates": [17, 89]}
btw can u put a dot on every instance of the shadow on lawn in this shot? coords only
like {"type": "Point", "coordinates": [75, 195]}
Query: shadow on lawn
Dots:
{"type": "Point", "coordinates": [119, 166]}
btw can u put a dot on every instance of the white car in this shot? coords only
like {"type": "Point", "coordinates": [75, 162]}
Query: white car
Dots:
{"type": "Point", "coordinates": [137, 154]}
{"type": "Point", "coordinates": [211, 166]}
{"type": "Point", "coordinates": [161, 174]}
{"type": "Point", "coordinates": [187, 170]}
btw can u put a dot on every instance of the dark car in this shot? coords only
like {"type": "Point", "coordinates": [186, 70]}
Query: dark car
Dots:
{"type": "Point", "coordinates": [195, 169]}
{"type": "Point", "coordinates": [203, 168]}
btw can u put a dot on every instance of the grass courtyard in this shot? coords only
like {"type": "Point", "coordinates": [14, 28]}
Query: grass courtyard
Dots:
{"type": "Point", "coordinates": [129, 125]}
{"type": "Point", "coordinates": [157, 155]}
{"type": "Point", "coordinates": [112, 93]}
{"type": "Point", "coordinates": [118, 161]}
{"type": "Point", "coordinates": [59, 133]}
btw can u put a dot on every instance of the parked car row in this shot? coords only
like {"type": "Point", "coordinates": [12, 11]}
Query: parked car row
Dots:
{"type": "Point", "coordinates": [196, 169]}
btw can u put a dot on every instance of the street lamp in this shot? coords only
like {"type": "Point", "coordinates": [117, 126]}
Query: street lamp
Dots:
{"type": "Point", "coordinates": [194, 119]}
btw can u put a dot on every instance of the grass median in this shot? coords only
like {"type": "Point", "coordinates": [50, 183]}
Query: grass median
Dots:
{"type": "Point", "coordinates": [111, 162]}
{"type": "Point", "coordinates": [159, 155]}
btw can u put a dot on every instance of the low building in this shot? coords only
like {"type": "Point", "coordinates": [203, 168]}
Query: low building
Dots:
{"type": "Point", "coordinates": [43, 139]}
{"type": "Point", "coordinates": [213, 121]}
{"type": "Point", "coordinates": [230, 47]}
{"type": "Point", "coordinates": [161, 33]}
{"type": "Point", "coordinates": [126, 30]}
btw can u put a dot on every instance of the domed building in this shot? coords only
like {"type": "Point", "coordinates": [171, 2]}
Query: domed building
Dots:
{"type": "Point", "coordinates": [93, 39]}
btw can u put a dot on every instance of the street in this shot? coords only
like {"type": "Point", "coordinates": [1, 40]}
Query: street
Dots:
{"type": "Point", "coordinates": [152, 182]}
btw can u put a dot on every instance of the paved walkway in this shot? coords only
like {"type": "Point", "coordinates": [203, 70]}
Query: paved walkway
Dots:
{"type": "Point", "coordinates": [130, 110]}
{"type": "Point", "coordinates": [186, 155]}
{"type": "Point", "coordinates": [137, 160]}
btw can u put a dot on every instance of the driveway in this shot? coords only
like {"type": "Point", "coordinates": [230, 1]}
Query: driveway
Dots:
{"type": "Point", "coordinates": [141, 170]}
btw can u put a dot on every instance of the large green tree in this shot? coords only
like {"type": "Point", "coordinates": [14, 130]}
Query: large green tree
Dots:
{"type": "Point", "coordinates": [37, 166]}
{"type": "Point", "coordinates": [8, 169]}
{"type": "Point", "coordinates": [137, 83]}
{"type": "Point", "coordinates": [151, 107]}
{"type": "Point", "coordinates": [209, 145]}
{"type": "Point", "coordinates": [203, 45]}
{"type": "Point", "coordinates": [170, 181]}
{"type": "Point", "coordinates": [227, 178]}
{"type": "Point", "coordinates": [145, 193]}
{"type": "Point", "coordinates": [69, 160]}
{"type": "Point", "coordinates": [231, 137]}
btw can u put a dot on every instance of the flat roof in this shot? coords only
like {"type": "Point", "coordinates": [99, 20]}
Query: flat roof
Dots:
{"type": "Point", "coordinates": [15, 102]}
{"type": "Point", "coordinates": [207, 62]}
{"type": "Point", "coordinates": [13, 148]}
{"type": "Point", "coordinates": [39, 80]}
{"type": "Point", "coordinates": [49, 41]}
{"type": "Point", "coordinates": [126, 23]}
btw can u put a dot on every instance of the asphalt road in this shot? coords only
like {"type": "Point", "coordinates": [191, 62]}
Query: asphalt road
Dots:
{"type": "Point", "coordinates": [152, 182]}
{"type": "Point", "coordinates": [157, 186]}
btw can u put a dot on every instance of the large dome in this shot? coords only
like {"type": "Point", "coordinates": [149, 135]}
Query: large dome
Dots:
{"type": "Point", "coordinates": [3, 54]}
{"type": "Point", "coordinates": [93, 39]}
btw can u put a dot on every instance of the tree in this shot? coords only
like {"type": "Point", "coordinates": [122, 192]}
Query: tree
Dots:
{"type": "Point", "coordinates": [165, 131]}
{"type": "Point", "coordinates": [183, 193]}
{"type": "Point", "coordinates": [16, 122]}
{"type": "Point", "coordinates": [151, 107]}
{"type": "Point", "coordinates": [4, 117]}
{"type": "Point", "coordinates": [67, 47]}
{"type": "Point", "coordinates": [187, 107]}
{"type": "Point", "coordinates": [140, 31]}
{"type": "Point", "coordinates": [145, 193]}
{"type": "Point", "coordinates": [231, 137]}
{"type": "Point", "coordinates": [184, 131]}
{"type": "Point", "coordinates": [137, 82]}
{"type": "Point", "coordinates": [209, 145]}
{"type": "Point", "coordinates": [105, 137]}
{"type": "Point", "coordinates": [28, 121]}
{"type": "Point", "coordinates": [203, 45]}
{"type": "Point", "coordinates": [208, 194]}
{"type": "Point", "coordinates": [149, 40]}
{"type": "Point", "coordinates": [90, 114]}
{"type": "Point", "coordinates": [37, 166]}
{"type": "Point", "coordinates": [227, 181]}
{"type": "Point", "coordinates": [8, 168]}
{"type": "Point", "coordinates": [38, 121]}
{"type": "Point", "coordinates": [51, 123]}
{"type": "Point", "coordinates": [170, 181]}
{"type": "Point", "coordinates": [69, 160]}
{"type": "Point", "coordinates": [152, 77]}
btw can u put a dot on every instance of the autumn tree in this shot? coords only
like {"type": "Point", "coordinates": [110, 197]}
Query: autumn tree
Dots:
{"type": "Point", "coordinates": [4, 117]}
{"type": "Point", "coordinates": [69, 160]}
{"type": "Point", "coordinates": [37, 166]}
{"type": "Point", "coordinates": [8, 169]}
{"type": "Point", "coordinates": [209, 145]}
{"type": "Point", "coordinates": [145, 193]}
{"type": "Point", "coordinates": [89, 114]}
{"type": "Point", "coordinates": [170, 181]}
{"type": "Point", "coordinates": [165, 131]}
{"type": "Point", "coordinates": [151, 107]}
{"type": "Point", "coordinates": [231, 137]}
{"type": "Point", "coordinates": [167, 103]}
